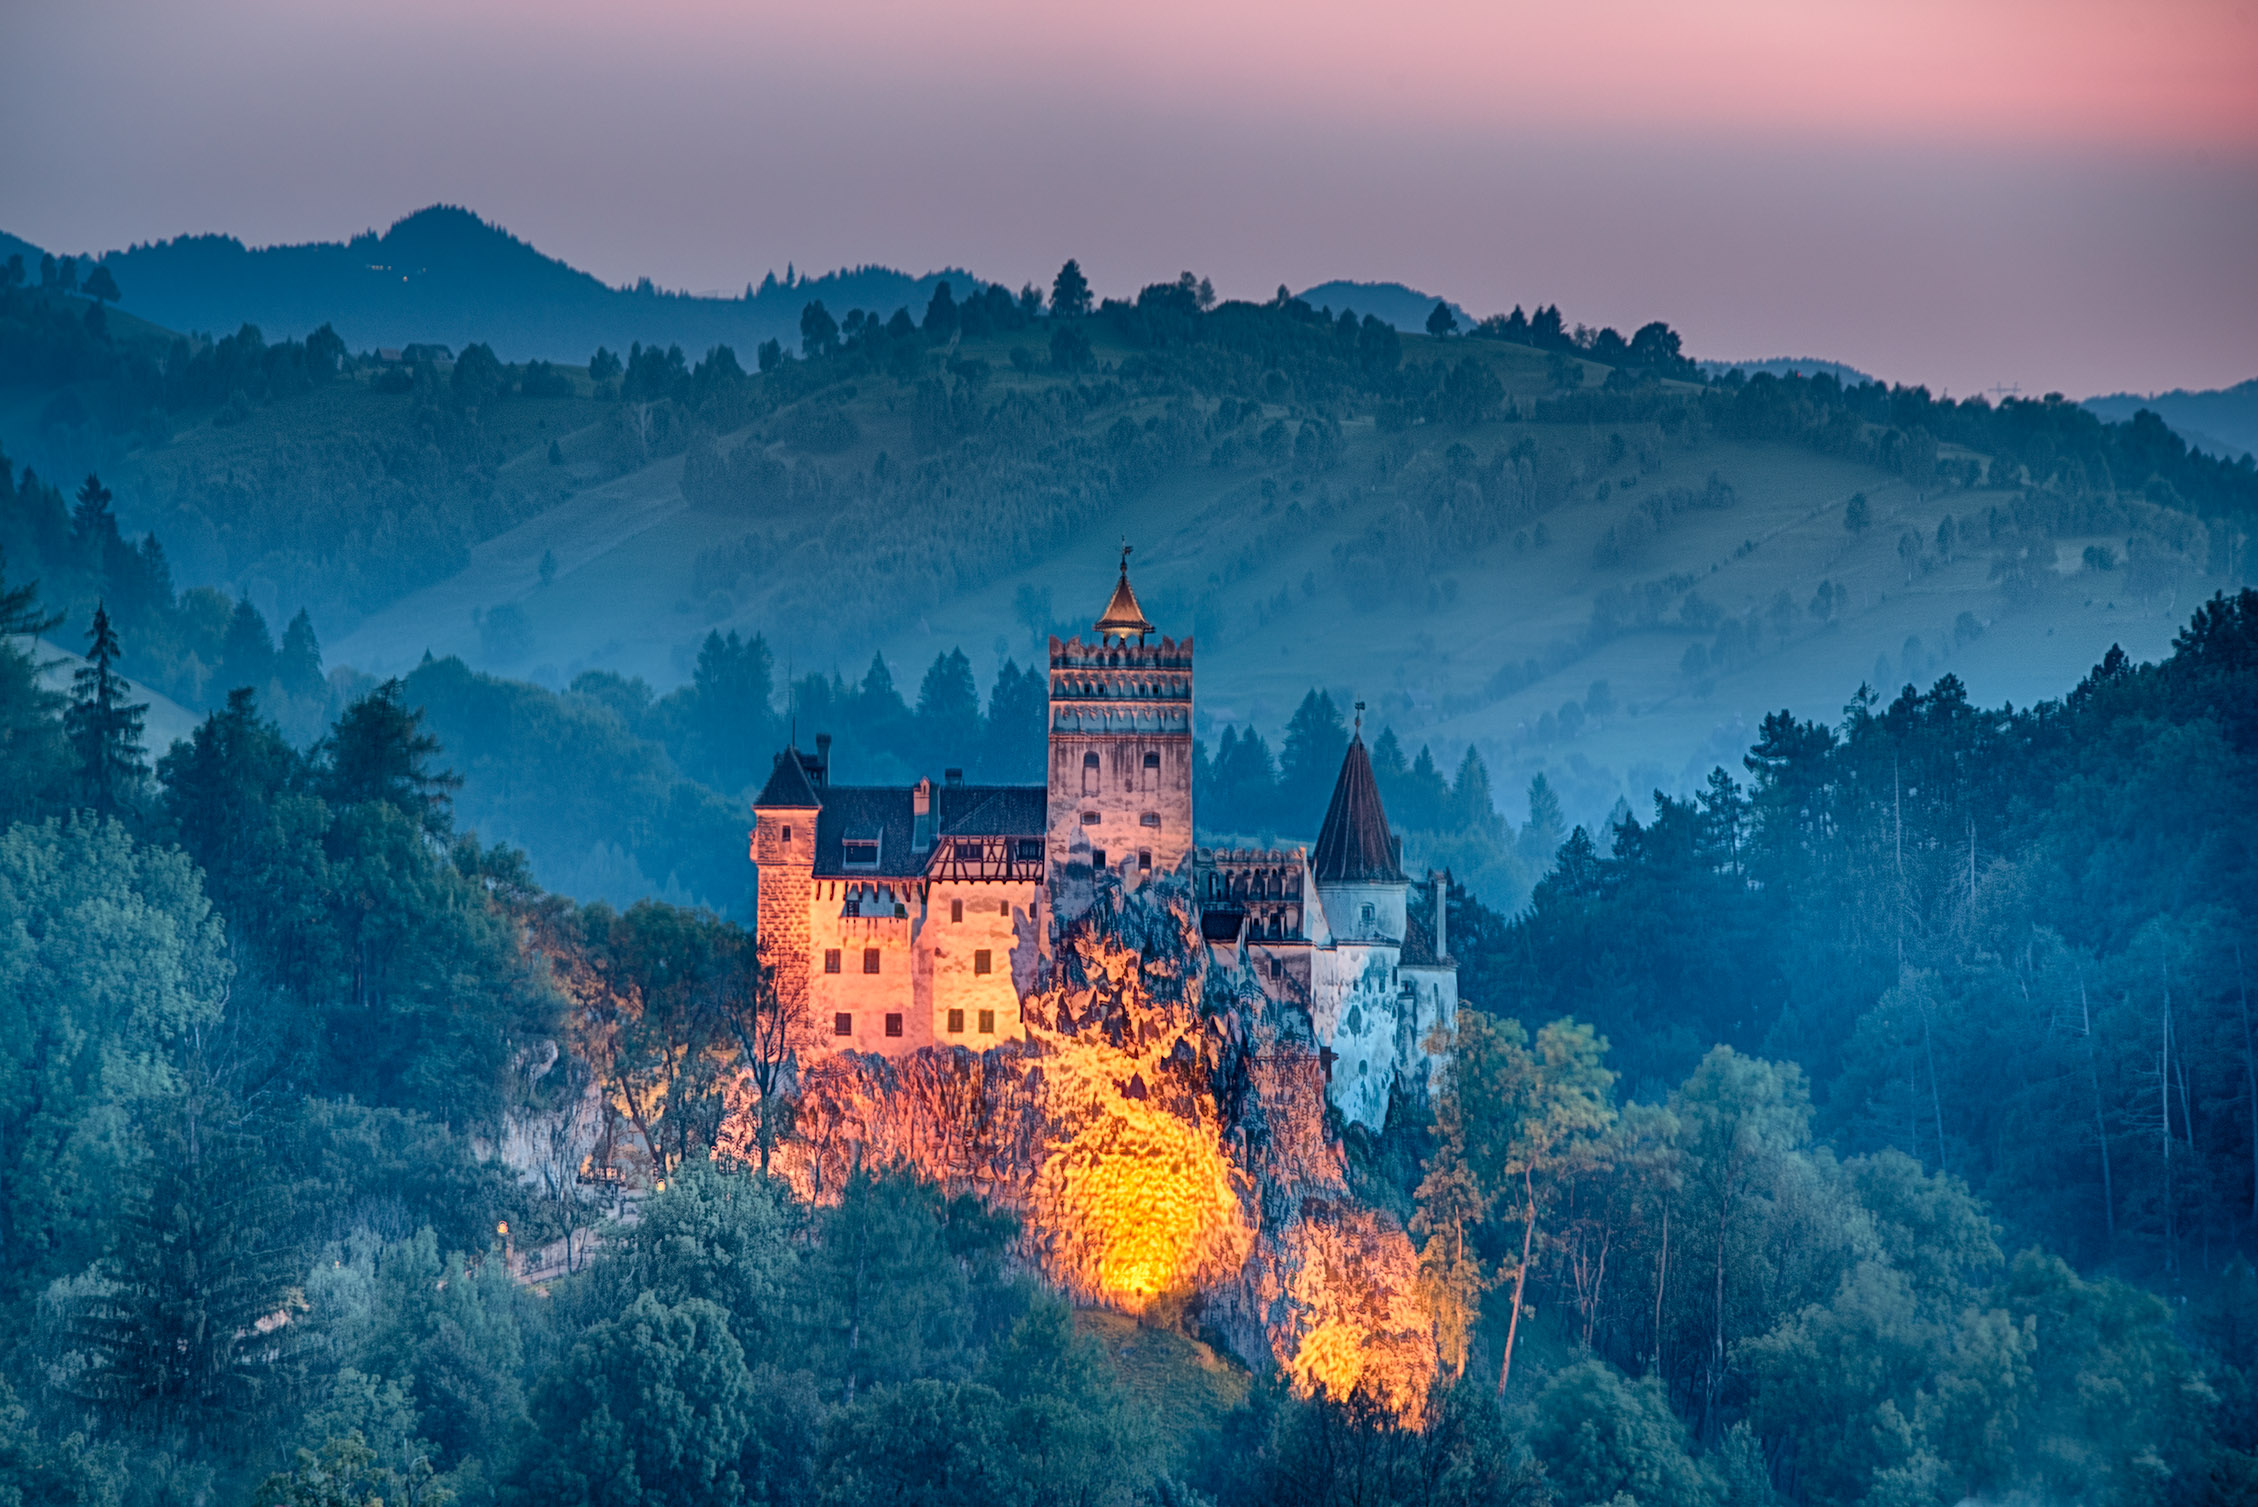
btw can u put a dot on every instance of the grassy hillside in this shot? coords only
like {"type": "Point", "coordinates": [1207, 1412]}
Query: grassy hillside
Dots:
{"type": "Point", "coordinates": [1564, 555]}
{"type": "Point", "coordinates": [1293, 578]}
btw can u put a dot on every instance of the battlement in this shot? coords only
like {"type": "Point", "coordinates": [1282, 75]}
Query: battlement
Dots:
{"type": "Point", "coordinates": [1268, 885]}
{"type": "Point", "coordinates": [1121, 688]}
{"type": "Point", "coordinates": [1168, 654]}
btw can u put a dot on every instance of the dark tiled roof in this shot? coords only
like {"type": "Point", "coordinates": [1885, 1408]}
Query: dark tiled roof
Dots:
{"type": "Point", "coordinates": [1354, 845]}
{"type": "Point", "coordinates": [992, 810]}
{"type": "Point", "coordinates": [788, 784]}
{"type": "Point", "coordinates": [1418, 944]}
{"type": "Point", "coordinates": [887, 816]}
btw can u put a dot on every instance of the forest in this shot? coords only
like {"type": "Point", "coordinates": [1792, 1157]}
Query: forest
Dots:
{"type": "Point", "coordinates": [1878, 1126]}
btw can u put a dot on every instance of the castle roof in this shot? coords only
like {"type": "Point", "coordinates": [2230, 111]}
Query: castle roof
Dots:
{"type": "Point", "coordinates": [788, 784]}
{"type": "Point", "coordinates": [1123, 616]}
{"type": "Point", "coordinates": [882, 823]}
{"type": "Point", "coordinates": [1354, 846]}
{"type": "Point", "coordinates": [1418, 945]}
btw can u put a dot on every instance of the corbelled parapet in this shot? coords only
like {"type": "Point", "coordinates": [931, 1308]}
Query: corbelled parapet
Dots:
{"type": "Point", "coordinates": [1113, 687]}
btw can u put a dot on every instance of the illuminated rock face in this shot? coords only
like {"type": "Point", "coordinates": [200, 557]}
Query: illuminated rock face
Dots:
{"type": "Point", "coordinates": [1162, 1132]}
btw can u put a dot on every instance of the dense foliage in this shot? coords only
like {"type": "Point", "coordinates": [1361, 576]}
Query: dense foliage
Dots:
{"type": "Point", "coordinates": [1880, 1128]}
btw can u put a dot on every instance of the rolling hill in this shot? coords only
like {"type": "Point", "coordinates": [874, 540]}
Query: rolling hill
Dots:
{"type": "Point", "coordinates": [1597, 570]}
{"type": "Point", "coordinates": [445, 276]}
{"type": "Point", "coordinates": [2223, 421]}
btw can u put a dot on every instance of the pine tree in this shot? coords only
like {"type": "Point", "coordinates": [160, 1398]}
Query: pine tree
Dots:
{"type": "Point", "coordinates": [20, 612]}
{"type": "Point", "coordinates": [948, 710]}
{"type": "Point", "coordinates": [94, 529]}
{"type": "Point", "coordinates": [1309, 762]}
{"type": "Point", "coordinates": [104, 728]}
{"type": "Point", "coordinates": [1070, 291]}
{"type": "Point", "coordinates": [247, 653]}
{"type": "Point", "coordinates": [182, 1331]}
{"type": "Point", "coordinates": [378, 751]}
{"type": "Point", "coordinates": [299, 665]}
{"type": "Point", "coordinates": [1474, 807]}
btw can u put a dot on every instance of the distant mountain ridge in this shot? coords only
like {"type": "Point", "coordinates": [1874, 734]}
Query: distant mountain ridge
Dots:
{"type": "Point", "coordinates": [1790, 366]}
{"type": "Point", "coordinates": [2223, 421]}
{"type": "Point", "coordinates": [1391, 303]}
{"type": "Point", "coordinates": [444, 275]}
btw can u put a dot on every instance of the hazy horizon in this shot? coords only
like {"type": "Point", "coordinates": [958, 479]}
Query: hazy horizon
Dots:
{"type": "Point", "coordinates": [2049, 197]}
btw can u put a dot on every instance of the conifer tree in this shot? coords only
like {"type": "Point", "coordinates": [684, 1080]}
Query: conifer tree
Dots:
{"type": "Point", "coordinates": [298, 666]}
{"type": "Point", "coordinates": [103, 727]}
{"type": "Point", "coordinates": [1309, 762]}
{"type": "Point", "coordinates": [247, 653]}
{"type": "Point", "coordinates": [93, 528]}
{"type": "Point", "coordinates": [378, 751]}
{"type": "Point", "coordinates": [182, 1331]}
{"type": "Point", "coordinates": [20, 612]}
{"type": "Point", "coordinates": [1070, 291]}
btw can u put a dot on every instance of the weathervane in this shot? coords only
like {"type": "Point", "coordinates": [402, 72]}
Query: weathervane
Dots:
{"type": "Point", "coordinates": [1360, 719]}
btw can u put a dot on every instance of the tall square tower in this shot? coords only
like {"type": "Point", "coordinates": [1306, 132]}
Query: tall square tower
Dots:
{"type": "Point", "coordinates": [1120, 786]}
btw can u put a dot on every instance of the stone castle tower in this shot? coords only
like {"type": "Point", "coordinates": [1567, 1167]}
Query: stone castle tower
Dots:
{"type": "Point", "coordinates": [1120, 786]}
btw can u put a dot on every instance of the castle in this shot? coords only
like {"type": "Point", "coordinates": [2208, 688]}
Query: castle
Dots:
{"type": "Point", "coordinates": [901, 918]}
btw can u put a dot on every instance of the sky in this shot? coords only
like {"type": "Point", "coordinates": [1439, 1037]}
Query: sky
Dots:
{"type": "Point", "coordinates": [2044, 195]}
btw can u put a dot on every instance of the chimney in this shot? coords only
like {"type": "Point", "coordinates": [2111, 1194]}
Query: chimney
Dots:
{"type": "Point", "coordinates": [921, 813]}
{"type": "Point", "coordinates": [955, 777]}
{"type": "Point", "coordinates": [1440, 879]}
{"type": "Point", "coordinates": [822, 760]}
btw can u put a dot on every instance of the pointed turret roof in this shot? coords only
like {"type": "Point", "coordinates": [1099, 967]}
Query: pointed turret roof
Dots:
{"type": "Point", "coordinates": [788, 785]}
{"type": "Point", "coordinates": [1354, 846]}
{"type": "Point", "coordinates": [1123, 616]}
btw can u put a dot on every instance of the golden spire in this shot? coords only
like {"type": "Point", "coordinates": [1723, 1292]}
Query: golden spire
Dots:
{"type": "Point", "coordinates": [1123, 616]}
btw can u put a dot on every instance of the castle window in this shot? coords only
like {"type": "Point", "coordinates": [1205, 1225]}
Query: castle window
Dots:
{"type": "Point", "coordinates": [1368, 914]}
{"type": "Point", "coordinates": [859, 853]}
{"type": "Point", "coordinates": [987, 1022]}
{"type": "Point", "coordinates": [1030, 848]}
{"type": "Point", "coordinates": [956, 910]}
{"type": "Point", "coordinates": [1152, 761]}
{"type": "Point", "coordinates": [893, 1025]}
{"type": "Point", "coordinates": [787, 836]}
{"type": "Point", "coordinates": [1089, 818]}
{"type": "Point", "coordinates": [870, 960]}
{"type": "Point", "coordinates": [1089, 774]}
{"type": "Point", "coordinates": [1144, 858]}
{"type": "Point", "coordinates": [956, 1022]}
{"type": "Point", "coordinates": [1215, 885]}
{"type": "Point", "coordinates": [1277, 968]}
{"type": "Point", "coordinates": [1149, 819]}
{"type": "Point", "coordinates": [830, 960]}
{"type": "Point", "coordinates": [1097, 858]}
{"type": "Point", "coordinates": [842, 1024]}
{"type": "Point", "coordinates": [980, 959]}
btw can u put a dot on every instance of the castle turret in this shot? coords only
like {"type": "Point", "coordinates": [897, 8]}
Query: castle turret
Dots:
{"type": "Point", "coordinates": [1120, 790]}
{"type": "Point", "coordinates": [783, 851]}
{"type": "Point", "coordinates": [1360, 880]}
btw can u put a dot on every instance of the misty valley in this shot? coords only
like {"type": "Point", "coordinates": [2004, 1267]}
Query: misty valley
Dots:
{"type": "Point", "coordinates": [903, 890]}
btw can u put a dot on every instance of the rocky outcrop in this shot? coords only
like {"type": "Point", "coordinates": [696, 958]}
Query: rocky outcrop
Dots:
{"type": "Point", "coordinates": [1163, 1135]}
